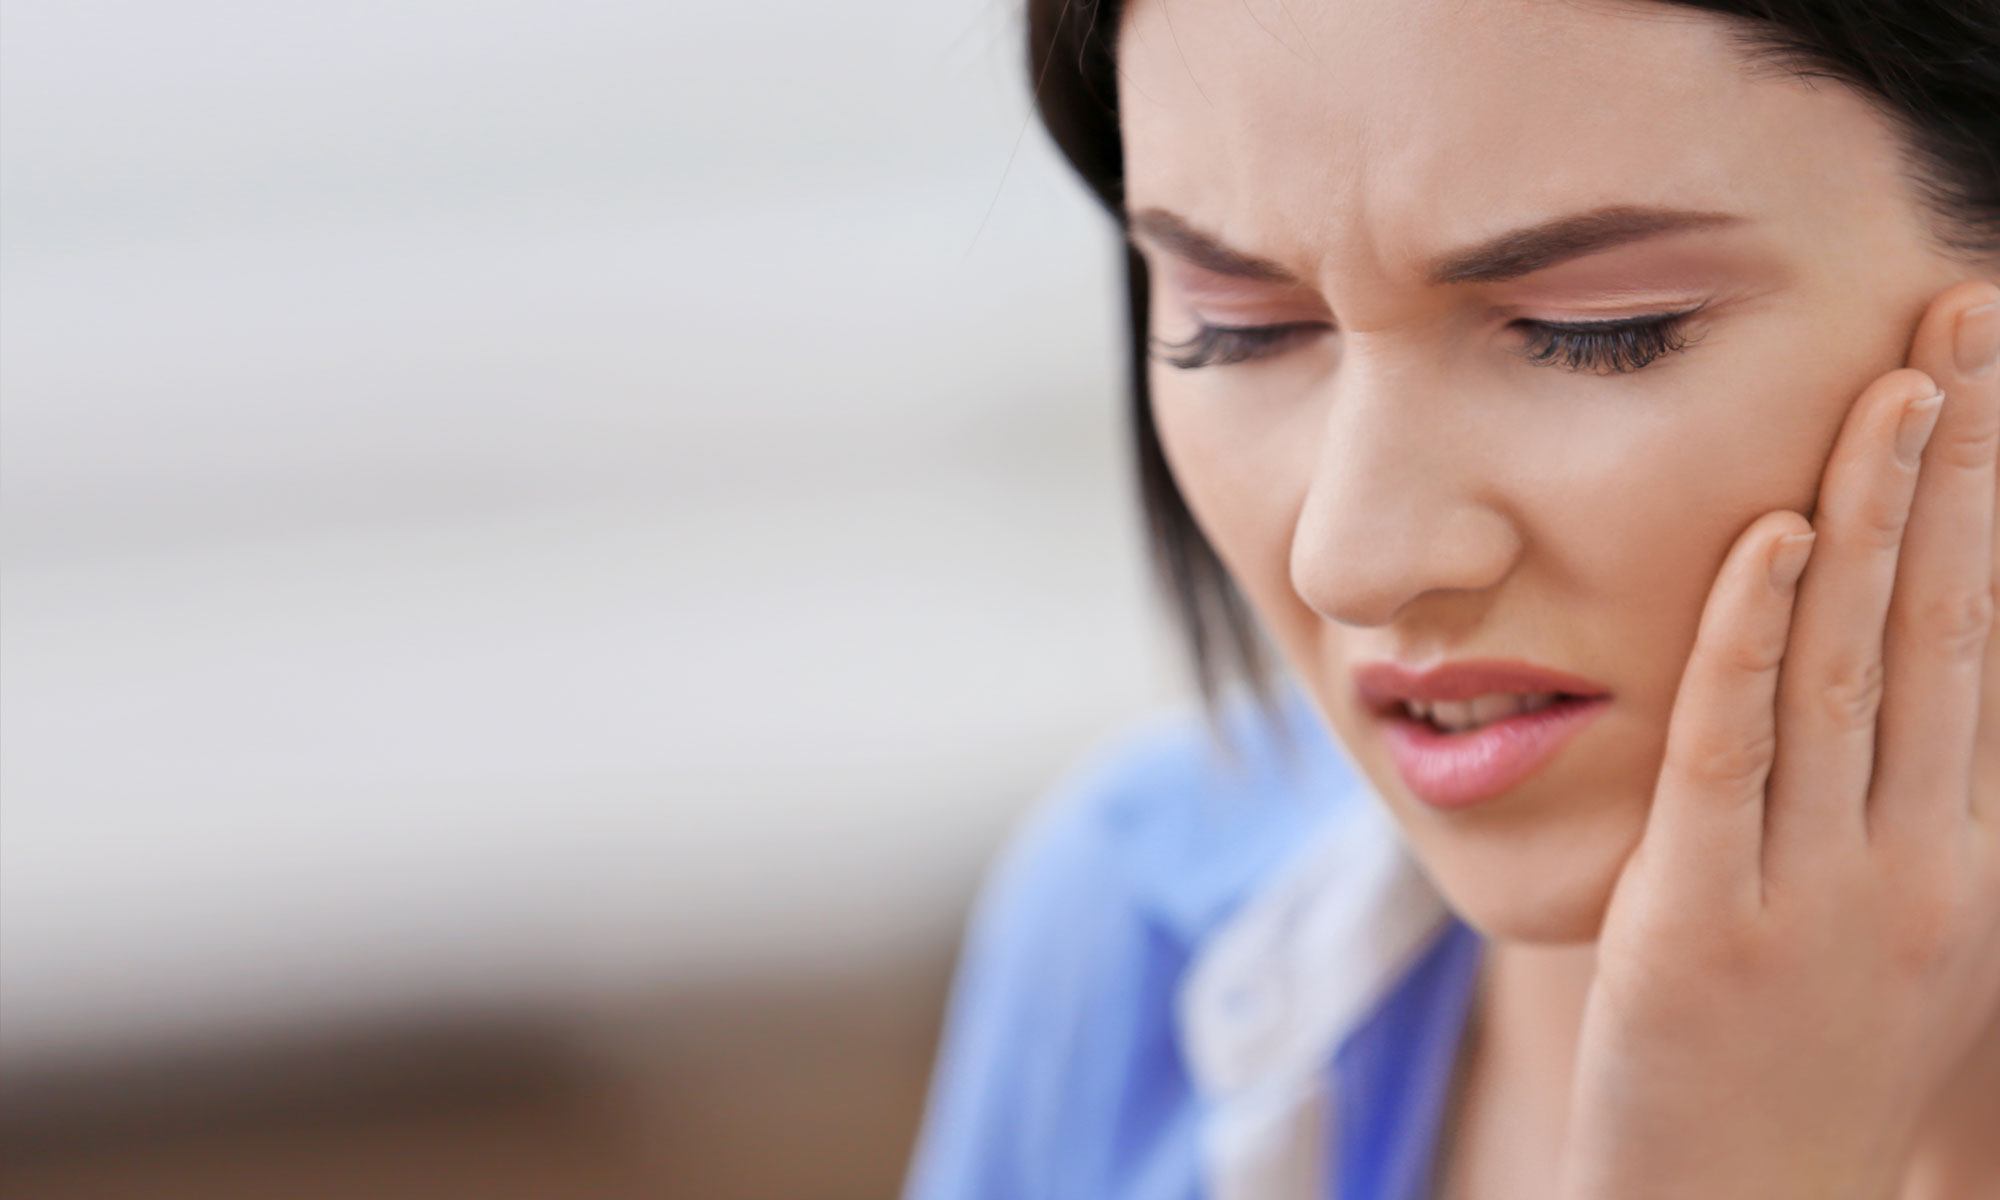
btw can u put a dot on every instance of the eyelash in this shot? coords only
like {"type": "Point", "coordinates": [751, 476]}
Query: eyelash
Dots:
{"type": "Point", "coordinates": [1221, 345]}
{"type": "Point", "coordinates": [1608, 347]}
{"type": "Point", "coordinates": [1603, 347]}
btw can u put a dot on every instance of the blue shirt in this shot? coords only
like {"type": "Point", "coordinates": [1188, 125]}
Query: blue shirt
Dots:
{"type": "Point", "coordinates": [1191, 976]}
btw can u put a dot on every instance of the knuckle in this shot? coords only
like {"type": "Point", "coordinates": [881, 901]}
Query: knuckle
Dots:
{"type": "Point", "coordinates": [1935, 926]}
{"type": "Point", "coordinates": [1851, 695]}
{"type": "Point", "coordinates": [1969, 449]}
{"type": "Point", "coordinates": [1737, 957]}
{"type": "Point", "coordinates": [1880, 520]}
{"type": "Point", "coordinates": [1958, 620]}
{"type": "Point", "coordinates": [1729, 762]}
{"type": "Point", "coordinates": [1754, 655]}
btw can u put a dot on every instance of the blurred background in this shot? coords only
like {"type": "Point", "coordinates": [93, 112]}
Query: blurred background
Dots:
{"type": "Point", "coordinates": [546, 546]}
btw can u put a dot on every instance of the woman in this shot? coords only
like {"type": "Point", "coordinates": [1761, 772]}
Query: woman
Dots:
{"type": "Point", "coordinates": [1595, 403]}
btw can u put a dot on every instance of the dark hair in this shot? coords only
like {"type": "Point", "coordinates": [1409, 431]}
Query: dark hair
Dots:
{"type": "Point", "coordinates": [1932, 67]}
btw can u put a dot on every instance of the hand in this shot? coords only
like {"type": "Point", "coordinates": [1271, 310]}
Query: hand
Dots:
{"type": "Point", "coordinates": [1807, 938]}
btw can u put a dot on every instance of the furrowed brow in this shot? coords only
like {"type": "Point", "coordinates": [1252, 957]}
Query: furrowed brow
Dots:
{"type": "Point", "coordinates": [1175, 235]}
{"type": "Point", "coordinates": [1538, 247]}
{"type": "Point", "coordinates": [1508, 255]}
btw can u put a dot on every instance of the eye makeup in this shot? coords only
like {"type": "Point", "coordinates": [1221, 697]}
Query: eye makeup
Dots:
{"type": "Point", "coordinates": [1604, 347]}
{"type": "Point", "coordinates": [1222, 345]}
{"type": "Point", "coordinates": [1612, 347]}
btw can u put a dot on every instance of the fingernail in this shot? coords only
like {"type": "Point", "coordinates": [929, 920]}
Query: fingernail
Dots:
{"type": "Point", "coordinates": [1788, 561]}
{"type": "Point", "coordinates": [1978, 346]}
{"type": "Point", "coordinates": [1919, 418]}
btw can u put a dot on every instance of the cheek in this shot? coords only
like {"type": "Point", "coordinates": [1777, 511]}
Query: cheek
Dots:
{"type": "Point", "coordinates": [1614, 497]}
{"type": "Point", "coordinates": [1647, 501]}
{"type": "Point", "coordinates": [1242, 463]}
{"type": "Point", "coordinates": [1627, 496]}
{"type": "Point", "coordinates": [1634, 508]}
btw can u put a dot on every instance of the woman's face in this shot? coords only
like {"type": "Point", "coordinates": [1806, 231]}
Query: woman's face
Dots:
{"type": "Point", "coordinates": [1397, 479]}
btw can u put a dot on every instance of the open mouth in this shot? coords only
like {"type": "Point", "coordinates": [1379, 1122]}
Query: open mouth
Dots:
{"type": "Point", "coordinates": [1451, 765]}
{"type": "Point", "coordinates": [1454, 718]}
{"type": "Point", "coordinates": [1467, 730]}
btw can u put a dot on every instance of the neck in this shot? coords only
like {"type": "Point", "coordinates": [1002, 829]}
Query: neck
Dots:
{"type": "Point", "coordinates": [1528, 1014]}
{"type": "Point", "coordinates": [1511, 1093]}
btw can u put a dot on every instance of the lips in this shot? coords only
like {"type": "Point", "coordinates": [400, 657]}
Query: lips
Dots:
{"type": "Point", "coordinates": [1453, 770]}
{"type": "Point", "coordinates": [1383, 686]}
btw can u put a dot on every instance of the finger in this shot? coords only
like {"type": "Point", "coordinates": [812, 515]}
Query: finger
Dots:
{"type": "Point", "coordinates": [1935, 643]}
{"type": "Point", "coordinates": [1708, 806]}
{"type": "Point", "coordinates": [1831, 688]}
{"type": "Point", "coordinates": [1986, 747]}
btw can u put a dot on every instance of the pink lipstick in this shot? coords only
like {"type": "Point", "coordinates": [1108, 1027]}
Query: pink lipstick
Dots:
{"type": "Point", "coordinates": [1505, 742]}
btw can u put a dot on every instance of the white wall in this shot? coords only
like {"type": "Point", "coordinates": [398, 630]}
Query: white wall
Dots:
{"type": "Point", "coordinates": [510, 500]}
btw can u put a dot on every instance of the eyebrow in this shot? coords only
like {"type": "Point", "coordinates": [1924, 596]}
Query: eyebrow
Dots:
{"type": "Point", "coordinates": [1509, 255]}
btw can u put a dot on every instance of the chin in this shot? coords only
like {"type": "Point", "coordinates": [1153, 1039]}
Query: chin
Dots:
{"type": "Point", "coordinates": [1546, 881]}
{"type": "Point", "coordinates": [1552, 915]}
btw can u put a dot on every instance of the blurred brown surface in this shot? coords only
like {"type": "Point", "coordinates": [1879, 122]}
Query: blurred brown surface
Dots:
{"type": "Point", "coordinates": [808, 1088]}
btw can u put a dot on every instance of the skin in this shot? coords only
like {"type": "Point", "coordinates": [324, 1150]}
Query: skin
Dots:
{"type": "Point", "coordinates": [1706, 886]}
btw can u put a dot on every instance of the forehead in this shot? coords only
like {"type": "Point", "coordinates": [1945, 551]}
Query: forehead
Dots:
{"type": "Point", "coordinates": [1355, 137]}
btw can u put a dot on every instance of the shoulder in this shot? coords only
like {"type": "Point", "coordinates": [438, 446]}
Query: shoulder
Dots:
{"type": "Point", "coordinates": [1170, 821]}
{"type": "Point", "coordinates": [1190, 818]}
{"type": "Point", "coordinates": [1062, 1010]}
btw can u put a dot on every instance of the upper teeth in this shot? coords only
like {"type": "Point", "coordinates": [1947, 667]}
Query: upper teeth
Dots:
{"type": "Point", "coordinates": [1467, 714]}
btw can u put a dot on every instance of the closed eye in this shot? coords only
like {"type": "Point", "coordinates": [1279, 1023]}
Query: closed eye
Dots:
{"type": "Point", "coordinates": [1220, 345]}
{"type": "Point", "coordinates": [1603, 347]}
{"type": "Point", "coordinates": [1607, 347]}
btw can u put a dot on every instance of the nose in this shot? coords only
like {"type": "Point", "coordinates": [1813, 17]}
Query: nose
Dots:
{"type": "Point", "coordinates": [1405, 502]}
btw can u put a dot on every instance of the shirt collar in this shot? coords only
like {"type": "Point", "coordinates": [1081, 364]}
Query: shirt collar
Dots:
{"type": "Point", "coordinates": [1287, 978]}
{"type": "Point", "coordinates": [1196, 834]}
